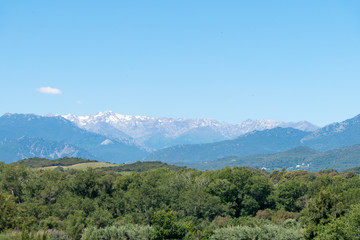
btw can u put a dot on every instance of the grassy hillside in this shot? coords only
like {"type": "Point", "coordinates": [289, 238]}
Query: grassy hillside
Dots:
{"type": "Point", "coordinates": [44, 162]}
{"type": "Point", "coordinates": [79, 163]}
{"type": "Point", "coordinates": [141, 167]}
{"type": "Point", "coordinates": [85, 165]}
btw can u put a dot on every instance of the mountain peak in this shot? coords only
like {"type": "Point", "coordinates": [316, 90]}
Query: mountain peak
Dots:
{"type": "Point", "coordinates": [335, 135]}
{"type": "Point", "coordinates": [162, 132]}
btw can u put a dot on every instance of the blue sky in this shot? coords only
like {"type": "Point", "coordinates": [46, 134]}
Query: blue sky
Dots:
{"type": "Point", "coordinates": [227, 60]}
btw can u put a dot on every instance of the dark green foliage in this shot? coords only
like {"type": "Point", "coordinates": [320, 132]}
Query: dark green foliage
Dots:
{"type": "Point", "coordinates": [100, 218]}
{"type": "Point", "coordinates": [287, 194]}
{"type": "Point", "coordinates": [85, 183]}
{"type": "Point", "coordinates": [51, 223]}
{"type": "Point", "coordinates": [76, 223]}
{"type": "Point", "coordinates": [326, 207]}
{"type": "Point", "coordinates": [166, 226]}
{"type": "Point", "coordinates": [10, 213]}
{"type": "Point", "coordinates": [346, 227]}
{"type": "Point", "coordinates": [231, 203]}
{"type": "Point", "coordinates": [14, 179]}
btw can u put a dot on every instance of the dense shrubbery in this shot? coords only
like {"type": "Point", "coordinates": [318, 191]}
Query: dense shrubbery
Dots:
{"type": "Point", "coordinates": [266, 231]}
{"type": "Point", "coordinates": [128, 231]}
{"type": "Point", "coordinates": [232, 203]}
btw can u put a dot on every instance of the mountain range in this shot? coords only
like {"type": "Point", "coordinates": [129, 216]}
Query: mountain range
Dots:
{"type": "Point", "coordinates": [29, 135]}
{"type": "Point", "coordinates": [333, 136]}
{"type": "Point", "coordinates": [157, 133]}
{"type": "Point", "coordinates": [117, 138]}
{"type": "Point", "coordinates": [257, 142]}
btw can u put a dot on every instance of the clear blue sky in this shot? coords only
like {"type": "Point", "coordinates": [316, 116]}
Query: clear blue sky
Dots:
{"type": "Point", "coordinates": [227, 60]}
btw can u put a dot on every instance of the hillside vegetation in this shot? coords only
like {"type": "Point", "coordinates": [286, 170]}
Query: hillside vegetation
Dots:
{"type": "Point", "coordinates": [79, 163]}
{"type": "Point", "coordinates": [231, 203]}
{"type": "Point", "coordinates": [300, 158]}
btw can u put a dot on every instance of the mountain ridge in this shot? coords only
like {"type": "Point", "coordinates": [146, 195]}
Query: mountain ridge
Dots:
{"type": "Point", "coordinates": [157, 133]}
{"type": "Point", "coordinates": [257, 142]}
{"type": "Point", "coordinates": [335, 135]}
{"type": "Point", "coordinates": [51, 136]}
{"type": "Point", "coordinates": [61, 131]}
{"type": "Point", "coordinates": [299, 158]}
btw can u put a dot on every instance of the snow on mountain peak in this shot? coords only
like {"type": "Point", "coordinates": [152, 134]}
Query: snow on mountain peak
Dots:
{"type": "Point", "coordinates": [143, 128]}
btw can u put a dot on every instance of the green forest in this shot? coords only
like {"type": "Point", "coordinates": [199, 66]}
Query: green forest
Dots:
{"type": "Point", "coordinates": [179, 203]}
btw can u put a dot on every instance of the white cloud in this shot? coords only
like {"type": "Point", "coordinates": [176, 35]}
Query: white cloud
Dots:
{"type": "Point", "coordinates": [49, 90]}
{"type": "Point", "coordinates": [78, 102]}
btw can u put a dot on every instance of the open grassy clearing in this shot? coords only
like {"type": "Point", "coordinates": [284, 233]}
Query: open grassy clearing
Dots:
{"type": "Point", "coordinates": [85, 165]}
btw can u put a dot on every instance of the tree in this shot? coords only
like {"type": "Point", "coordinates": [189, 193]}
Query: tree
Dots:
{"type": "Point", "coordinates": [85, 183]}
{"type": "Point", "coordinates": [11, 215]}
{"type": "Point", "coordinates": [320, 211]}
{"type": "Point", "coordinates": [100, 218]}
{"type": "Point", "coordinates": [346, 227]}
{"type": "Point", "coordinates": [13, 179]}
{"type": "Point", "coordinates": [76, 223]}
{"type": "Point", "coordinates": [288, 192]}
{"type": "Point", "coordinates": [166, 226]}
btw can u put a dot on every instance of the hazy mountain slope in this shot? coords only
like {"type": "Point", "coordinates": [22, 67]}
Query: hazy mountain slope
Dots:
{"type": "Point", "coordinates": [287, 159]}
{"type": "Point", "coordinates": [27, 147]}
{"type": "Point", "coordinates": [58, 129]}
{"type": "Point", "coordinates": [194, 136]}
{"type": "Point", "coordinates": [335, 135]}
{"type": "Point", "coordinates": [340, 159]}
{"type": "Point", "coordinates": [354, 169]}
{"type": "Point", "coordinates": [258, 142]}
{"type": "Point", "coordinates": [298, 158]}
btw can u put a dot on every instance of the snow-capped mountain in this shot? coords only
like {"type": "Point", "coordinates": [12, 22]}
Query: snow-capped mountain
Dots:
{"type": "Point", "coordinates": [158, 133]}
{"type": "Point", "coordinates": [29, 135]}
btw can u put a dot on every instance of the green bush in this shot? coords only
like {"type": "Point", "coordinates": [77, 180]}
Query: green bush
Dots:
{"type": "Point", "coordinates": [265, 232]}
{"type": "Point", "coordinates": [56, 235]}
{"type": "Point", "coordinates": [166, 226]}
{"type": "Point", "coordinates": [125, 232]}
